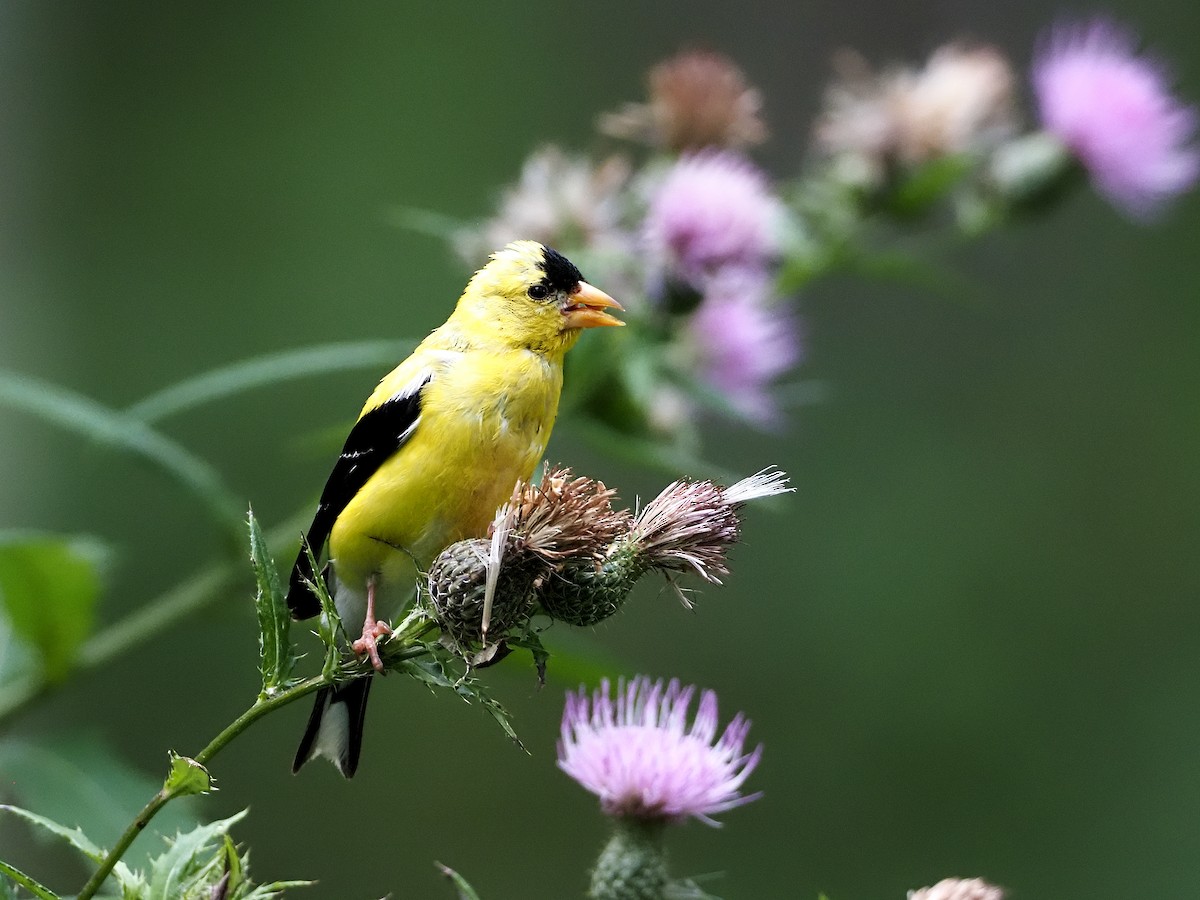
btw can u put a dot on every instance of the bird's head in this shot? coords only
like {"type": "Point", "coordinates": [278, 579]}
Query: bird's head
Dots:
{"type": "Point", "coordinates": [532, 296]}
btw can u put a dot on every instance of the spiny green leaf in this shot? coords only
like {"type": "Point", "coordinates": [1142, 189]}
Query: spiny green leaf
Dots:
{"type": "Point", "coordinates": [235, 875]}
{"type": "Point", "coordinates": [262, 371]}
{"type": "Point", "coordinates": [49, 586]}
{"type": "Point", "coordinates": [85, 416]}
{"type": "Point", "coordinates": [72, 836]}
{"type": "Point", "coordinates": [35, 887]}
{"type": "Point", "coordinates": [272, 890]}
{"type": "Point", "coordinates": [78, 840]}
{"type": "Point", "coordinates": [187, 863]}
{"type": "Point", "coordinates": [187, 777]}
{"type": "Point", "coordinates": [277, 659]}
{"type": "Point", "coordinates": [502, 718]}
{"type": "Point", "coordinates": [465, 891]}
{"type": "Point", "coordinates": [329, 627]}
{"type": "Point", "coordinates": [436, 671]}
{"type": "Point", "coordinates": [541, 656]}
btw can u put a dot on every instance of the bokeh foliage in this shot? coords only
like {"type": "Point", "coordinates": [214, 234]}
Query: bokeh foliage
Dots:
{"type": "Point", "coordinates": [968, 645]}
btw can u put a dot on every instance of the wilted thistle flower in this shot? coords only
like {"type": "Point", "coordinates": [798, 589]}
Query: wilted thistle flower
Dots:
{"type": "Point", "coordinates": [713, 210]}
{"type": "Point", "coordinates": [959, 889]}
{"type": "Point", "coordinates": [744, 341]}
{"type": "Point", "coordinates": [487, 586]}
{"type": "Point", "coordinates": [688, 527]}
{"type": "Point", "coordinates": [698, 99]}
{"type": "Point", "coordinates": [560, 548]}
{"type": "Point", "coordinates": [960, 102]}
{"type": "Point", "coordinates": [639, 755]}
{"type": "Point", "coordinates": [1115, 111]}
{"type": "Point", "coordinates": [561, 201]}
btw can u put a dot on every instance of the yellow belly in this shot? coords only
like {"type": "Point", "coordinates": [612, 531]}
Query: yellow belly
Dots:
{"type": "Point", "coordinates": [483, 427]}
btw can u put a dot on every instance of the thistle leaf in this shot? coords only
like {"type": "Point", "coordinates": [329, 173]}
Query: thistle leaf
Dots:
{"type": "Point", "coordinates": [541, 656]}
{"type": "Point", "coordinates": [48, 587]}
{"type": "Point", "coordinates": [75, 777]}
{"type": "Point", "coordinates": [436, 672]}
{"type": "Point", "coordinates": [465, 891]}
{"type": "Point", "coordinates": [277, 659]}
{"type": "Point", "coordinates": [18, 877]}
{"type": "Point", "coordinates": [130, 882]}
{"type": "Point", "coordinates": [204, 863]}
{"type": "Point", "coordinates": [329, 626]}
{"type": "Point", "coordinates": [186, 864]}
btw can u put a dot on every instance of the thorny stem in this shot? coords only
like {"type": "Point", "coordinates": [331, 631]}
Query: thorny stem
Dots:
{"type": "Point", "coordinates": [135, 828]}
{"type": "Point", "coordinates": [216, 745]}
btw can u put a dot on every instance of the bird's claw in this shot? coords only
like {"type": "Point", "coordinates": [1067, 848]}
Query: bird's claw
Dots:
{"type": "Point", "coordinates": [368, 643]}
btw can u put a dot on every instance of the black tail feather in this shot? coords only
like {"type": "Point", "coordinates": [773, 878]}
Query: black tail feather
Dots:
{"type": "Point", "coordinates": [344, 755]}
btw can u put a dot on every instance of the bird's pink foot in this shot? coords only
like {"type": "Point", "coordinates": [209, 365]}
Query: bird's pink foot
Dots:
{"type": "Point", "coordinates": [372, 631]}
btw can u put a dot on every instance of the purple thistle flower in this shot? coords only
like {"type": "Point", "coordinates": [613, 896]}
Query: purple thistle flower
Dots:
{"type": "Point", "coordinates": [1115, 111]}
{"type": "Point", "coordinates": [638, 755]}
{"type": "Point", "coordinates": [744, 342]}
{"type": "Point", "coordinates": [713, 209]}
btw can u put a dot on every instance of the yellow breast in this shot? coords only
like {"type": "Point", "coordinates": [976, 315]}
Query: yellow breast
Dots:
{"type": "Point", "coordinates": [485, 422]}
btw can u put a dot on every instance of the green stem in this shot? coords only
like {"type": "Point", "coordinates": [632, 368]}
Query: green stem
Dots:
{"type": "Point", "coordinates": [215, 746]}
{"type": "Point", "coordinates": [140, 821]}
{"type": "Point", "coordinates": [256, 712]}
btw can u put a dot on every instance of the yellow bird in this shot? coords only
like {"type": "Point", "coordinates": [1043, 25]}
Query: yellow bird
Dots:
{"type": "Point", "coordinates": [436, 449]}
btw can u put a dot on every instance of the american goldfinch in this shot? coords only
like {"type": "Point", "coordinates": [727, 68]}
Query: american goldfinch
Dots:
{"type": "Point", "coordinates": [436, 449]}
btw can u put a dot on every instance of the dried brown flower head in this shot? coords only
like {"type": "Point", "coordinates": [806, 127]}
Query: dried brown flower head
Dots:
{"type": "Point", "coordinates": [698, 99]}
{"type": "Point", "coordinates": [959, 889]}
{"type": "Point", "coordinates": [563, 516]}
{"type": "Point", "coordinates": [560, 547]}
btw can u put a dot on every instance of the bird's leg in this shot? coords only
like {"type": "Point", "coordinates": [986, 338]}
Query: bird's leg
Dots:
{"type": "Point", "coordinates": [372, 630]}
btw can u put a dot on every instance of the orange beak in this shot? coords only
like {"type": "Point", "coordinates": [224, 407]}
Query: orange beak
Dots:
{"type": "Point", "coordinates": [585, 308]}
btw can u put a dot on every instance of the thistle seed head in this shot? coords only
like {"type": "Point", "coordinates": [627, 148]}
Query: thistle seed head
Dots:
{"type": "Point", "coordinates": [563, 517]}
{"type": "Point", "coordinates": [457, 587]}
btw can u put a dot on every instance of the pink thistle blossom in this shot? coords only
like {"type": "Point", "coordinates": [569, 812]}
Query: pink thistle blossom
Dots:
{"type": "Point", "coordinates": [713, 209]}
{"type": "Point", "coordinates": [638, 755]}
{"type": "Point", "coordinates": [1115, 111]}
{"type": "Point", "coordinates": [744, 342]}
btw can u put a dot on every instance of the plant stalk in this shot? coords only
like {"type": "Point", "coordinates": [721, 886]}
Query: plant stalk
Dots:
{"type": "Point", "coordinates": [215, 746]}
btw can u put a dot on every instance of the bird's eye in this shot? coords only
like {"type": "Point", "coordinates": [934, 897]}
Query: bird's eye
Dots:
{"type": "Point", "coordinates": [539, 291]}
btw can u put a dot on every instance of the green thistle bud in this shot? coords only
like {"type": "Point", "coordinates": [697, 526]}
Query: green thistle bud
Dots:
{"type": "Point", "coordinates": [633, 865]}
{"type": "Point", "coordinates": [457, 584]}
{"type": "Point", "coordinates": [585, 592]}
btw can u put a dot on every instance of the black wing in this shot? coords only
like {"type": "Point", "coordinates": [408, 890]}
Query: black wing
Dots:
{"type": "Point", "coordinates": [371, 442]}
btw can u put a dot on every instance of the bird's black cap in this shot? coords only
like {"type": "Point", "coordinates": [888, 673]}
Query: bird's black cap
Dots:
{"type": "Point", "coordinates": [561, 274]}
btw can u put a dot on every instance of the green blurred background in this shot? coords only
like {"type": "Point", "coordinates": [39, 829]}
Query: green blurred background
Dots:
{"type": "Point", "coordinates": [968, 641]}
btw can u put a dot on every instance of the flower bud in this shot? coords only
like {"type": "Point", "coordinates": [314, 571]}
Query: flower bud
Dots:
{"type": "Point", "coordinates": [457, 584]}
{"type": "Point", "coordinates": [633, 865]}
{"type": "Point", "coordinates": [585, 592]}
